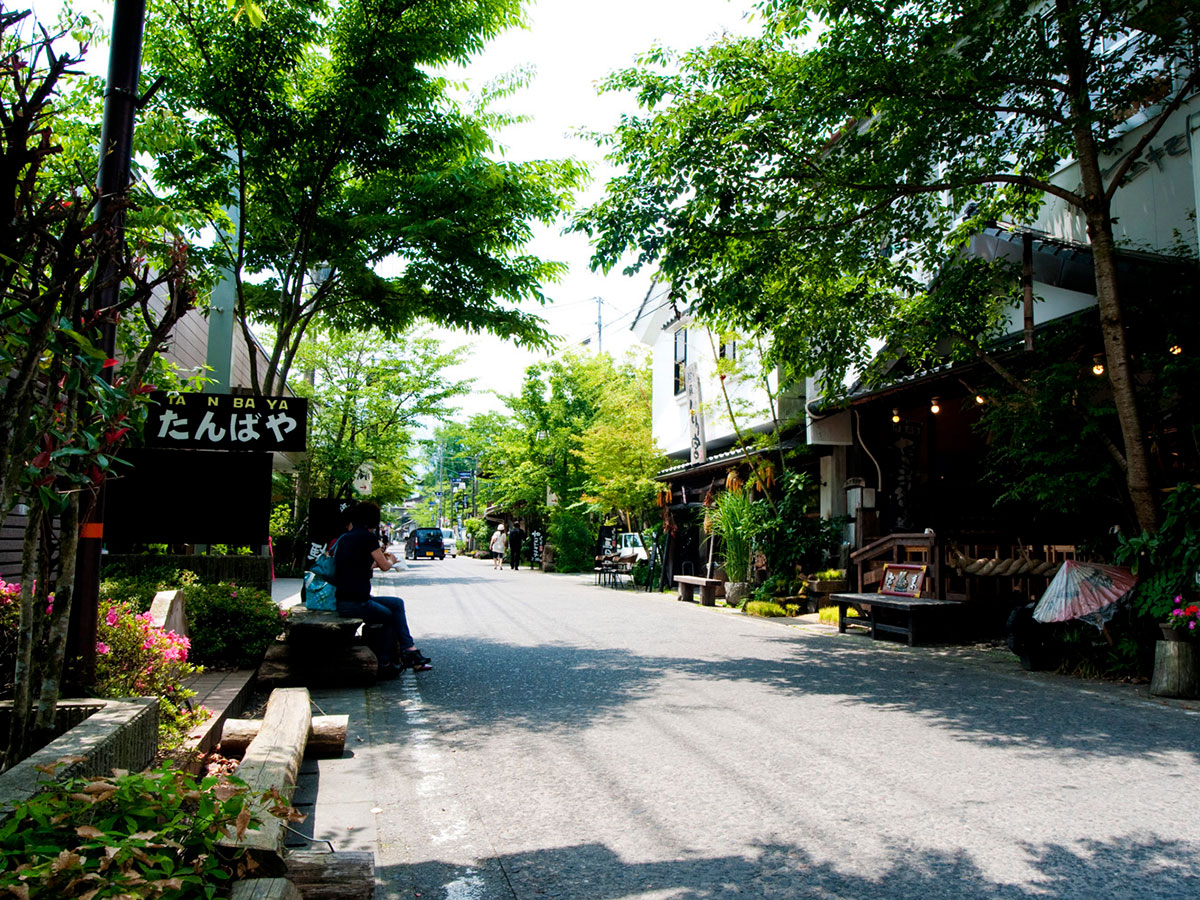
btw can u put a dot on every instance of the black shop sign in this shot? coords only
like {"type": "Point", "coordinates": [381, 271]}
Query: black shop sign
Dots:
{"type": "Point", "coordinates": [226, 422]}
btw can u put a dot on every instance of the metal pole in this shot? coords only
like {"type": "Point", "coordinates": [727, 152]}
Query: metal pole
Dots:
{"type": "Point", "coordinates": [116, 155]}
{"type": "Point", "coordinates": [599, 327]}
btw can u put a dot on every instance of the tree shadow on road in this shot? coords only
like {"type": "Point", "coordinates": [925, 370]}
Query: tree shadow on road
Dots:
{"type": "Point", "coordinates": [1133, 868]}
{"type": "Point", "coordinates": [548, 686]}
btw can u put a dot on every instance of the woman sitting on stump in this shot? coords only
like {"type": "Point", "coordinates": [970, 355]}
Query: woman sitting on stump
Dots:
{"type": "Point", "coordinates": [357, 552]}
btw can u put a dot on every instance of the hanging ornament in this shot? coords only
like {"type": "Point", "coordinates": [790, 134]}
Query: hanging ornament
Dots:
{"type": "Point", "coordinates": [732, 481]}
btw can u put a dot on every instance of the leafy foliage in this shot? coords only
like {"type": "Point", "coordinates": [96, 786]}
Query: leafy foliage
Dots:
{"type": "Point", "coordinates": [732, 518]}
{"type": "Point", "coordinates": [1166, 562]}
{"type": "Point", "coordinates": [337, 150]}
{"type": "Point", "coordinates": [366, 394]}
{"type": "Point", "coordinates": [792, 538]}
{"type": "Point", "coordinates": [67, 403]}
{"type": "Point", "coordinates": [148, 834]}
{"type": "Point", "coordinates": [572, 539]}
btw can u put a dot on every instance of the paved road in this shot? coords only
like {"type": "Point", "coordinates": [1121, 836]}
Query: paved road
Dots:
{"type": "Point", "coordinates": [584, 743]}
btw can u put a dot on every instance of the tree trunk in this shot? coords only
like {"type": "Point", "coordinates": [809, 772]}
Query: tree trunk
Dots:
{"type": "Point", "coordinates": [1116, 352]}
{"type": "Point", "coordinates": [1098, 211]}
{"type": "Point", "coordinates": [23, 688]}
{"type": "Point", "coordinates": [54, 659]}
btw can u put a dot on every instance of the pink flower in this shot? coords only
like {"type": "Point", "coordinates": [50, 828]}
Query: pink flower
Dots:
{"type": "Point", "coordinates": [111, 618]}
{"type": "Point", "coordinates": [102, 648]}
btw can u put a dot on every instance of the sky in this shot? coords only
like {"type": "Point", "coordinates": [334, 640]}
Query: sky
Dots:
{"type": "Point", "coordinates": [570, 46]}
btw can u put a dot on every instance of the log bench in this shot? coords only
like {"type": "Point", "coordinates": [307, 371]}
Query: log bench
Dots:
{"type": "Point", "coordinates": [689, 583]}
{"type": "Point", "coordinates": [320, 649]}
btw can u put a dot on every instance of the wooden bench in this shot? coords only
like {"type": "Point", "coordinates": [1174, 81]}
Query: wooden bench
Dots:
{"type": "Point", "coordinates": [689, 583]}
{"type": "Point", "coordinates": [900, 590]}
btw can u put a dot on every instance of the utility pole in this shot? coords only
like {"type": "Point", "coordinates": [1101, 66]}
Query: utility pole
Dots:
{"type": "Point", "coordinates": [599, 326]}
{"type": "Point", "coordinates": [116, 155]}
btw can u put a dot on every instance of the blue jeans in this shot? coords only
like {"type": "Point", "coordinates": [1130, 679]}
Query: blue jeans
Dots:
{"type": "Point", "coordinates": [385, 611]}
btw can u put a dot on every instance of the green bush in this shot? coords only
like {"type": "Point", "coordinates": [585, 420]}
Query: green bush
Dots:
{"type": "Point", "coordinates": [829, 614]}
{"type": "Point", "coordinates": [139, 589]}
{"type": "Point", "coordinates": [573, 540]}
{"type": "Point", "coordinates": [732, 518]}
{"type": "Point", "coordinates": [1167, 562]}
{"type": "Point", "coordinates": [231, 625]}
{"type": "Point", "coordinates": [152, 834]}
{"type": "Point", "coordinates": [764, 608]}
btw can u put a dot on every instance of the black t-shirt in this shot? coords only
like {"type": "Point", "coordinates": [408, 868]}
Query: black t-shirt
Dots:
{"type": "Point", "coordinates": [352, 564]}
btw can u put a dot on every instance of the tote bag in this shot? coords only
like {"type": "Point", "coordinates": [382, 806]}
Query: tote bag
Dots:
{"type": "Point", "coordinates": [319, 590]}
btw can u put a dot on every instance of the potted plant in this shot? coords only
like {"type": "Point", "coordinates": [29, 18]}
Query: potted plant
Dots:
{"type": "Point", "coordinates": [731, 519]}
{"type": "Point", "coordinates": [1177, 656]}
{"type": "Point", "coordinates": [829, 581]}
{"type": "Point", "coordinates": [1182, 623]}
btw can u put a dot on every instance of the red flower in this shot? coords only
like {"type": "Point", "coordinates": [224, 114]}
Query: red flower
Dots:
{"type": "Point", "coordinates": [1191, 610]}
{"type": "Point", "coordinates": [109, 363]}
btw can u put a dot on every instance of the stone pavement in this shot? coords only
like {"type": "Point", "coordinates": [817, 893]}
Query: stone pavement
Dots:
{"type": "Point", "coordinates": [587, 743]}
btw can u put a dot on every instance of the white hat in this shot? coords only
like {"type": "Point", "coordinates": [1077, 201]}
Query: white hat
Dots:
{"type": "Point", "coordinates": [500, 527]}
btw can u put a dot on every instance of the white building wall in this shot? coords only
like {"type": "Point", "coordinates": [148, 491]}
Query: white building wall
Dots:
{"type": "Point", "coordinates": [1155, 210]}
{"type": "Point", "coordinates": [671, 412]}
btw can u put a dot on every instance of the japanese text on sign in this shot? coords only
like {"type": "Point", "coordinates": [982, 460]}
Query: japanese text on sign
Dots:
{"type": "Point", "coordinates": [227, 422]}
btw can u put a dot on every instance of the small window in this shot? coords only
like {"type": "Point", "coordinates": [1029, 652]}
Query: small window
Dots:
{"type": "Point", "coordinates": [680, 361]}
{"type": "Point", "coordinates": [729, 349]}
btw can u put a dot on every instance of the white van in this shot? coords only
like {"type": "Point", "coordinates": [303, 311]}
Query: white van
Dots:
{"type": "Point", "coordinates": [629, 544]}
{"type": "Point", "coordinates": [450, 542]}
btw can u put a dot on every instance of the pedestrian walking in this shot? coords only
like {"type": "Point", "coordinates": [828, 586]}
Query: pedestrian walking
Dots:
{"type": "Point", "coordinates": [515, 538]}
{"type": "Point", "coordinates": [498, 543]}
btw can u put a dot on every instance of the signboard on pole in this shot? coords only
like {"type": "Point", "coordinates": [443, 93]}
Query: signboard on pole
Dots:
{"type": "Point", "coordinates": [698, 449]}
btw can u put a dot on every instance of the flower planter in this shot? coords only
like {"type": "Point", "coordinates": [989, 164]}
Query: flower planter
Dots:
{"type": "Point", "coordinates": [1170, 633]}
{"type": "Point", "coordinates": [840, 586]}
{"type": "Point", "coordinates": [118, 734]}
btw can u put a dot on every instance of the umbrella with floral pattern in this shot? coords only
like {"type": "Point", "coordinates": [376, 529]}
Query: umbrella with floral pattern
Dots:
{"type": "Point", "coordinates": [1086, 591]}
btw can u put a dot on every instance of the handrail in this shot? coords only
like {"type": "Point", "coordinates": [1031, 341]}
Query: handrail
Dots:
{"type": "Point", "coordinates": [888, 541]}
{"type": "Point", "coordinates": [887, 545]}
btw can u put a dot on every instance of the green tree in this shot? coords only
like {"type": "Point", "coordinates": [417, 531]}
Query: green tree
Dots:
{"type": "Point", "coordinates": [320, 148]}
{"type": "Point", "coordinates": [808, 191]}
{"type": "Point", "coordinates": [559, 401]}
{"type": "Point", "coordinates": [367, 394]}
{"type": "Point", "coordinates": [620, 457]}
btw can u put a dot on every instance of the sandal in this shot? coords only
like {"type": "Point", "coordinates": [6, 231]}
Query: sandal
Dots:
{"type": "Point", "coordinates": [414, 660]}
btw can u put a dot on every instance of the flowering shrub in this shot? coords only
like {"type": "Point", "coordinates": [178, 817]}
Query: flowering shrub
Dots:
{"type": "Point", "coordinates": [134, 658]}
{"type": "Point", "coordinates": [10, 620]}
{"type": "Point", "coordinates": [1184, 616]}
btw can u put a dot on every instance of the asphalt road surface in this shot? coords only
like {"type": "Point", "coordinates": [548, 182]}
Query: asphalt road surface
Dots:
{"type": "Point", "coordinates": [587, 743]}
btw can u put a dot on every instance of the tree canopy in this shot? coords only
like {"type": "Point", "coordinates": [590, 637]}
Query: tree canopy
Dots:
{"type": "Point", "coordinates": [814, 180]}
{"type": "Point", "coordinates": [319, 148]}
{"type": "Point", "coordinates": [367, 395]}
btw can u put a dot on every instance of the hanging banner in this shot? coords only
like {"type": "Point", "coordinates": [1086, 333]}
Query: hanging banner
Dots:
{"type": "Point", "coordinates": [226, 422]}
{"type": "Point", "coordinates": [691, 383]}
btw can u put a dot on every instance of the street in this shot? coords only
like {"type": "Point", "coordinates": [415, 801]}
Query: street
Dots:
{"type": "Point", "coordinates": [576, 741]}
